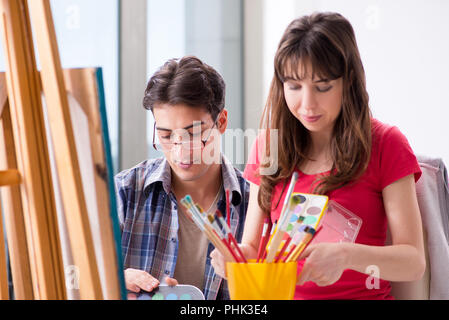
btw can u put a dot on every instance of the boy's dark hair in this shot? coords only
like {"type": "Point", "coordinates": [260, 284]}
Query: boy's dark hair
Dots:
{"type": "Point", "coordinates": [189, 81]}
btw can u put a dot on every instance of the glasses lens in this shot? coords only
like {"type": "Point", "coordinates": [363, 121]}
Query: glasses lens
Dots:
{"type": "Point", "coordinates": [191, 142]}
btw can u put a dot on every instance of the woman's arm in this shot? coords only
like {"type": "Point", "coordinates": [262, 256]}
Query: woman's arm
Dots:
{"type": "Point", "coordinates": [404, 260]}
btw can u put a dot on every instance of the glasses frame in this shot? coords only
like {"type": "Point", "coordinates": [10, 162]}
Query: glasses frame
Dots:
{"type": "Point", "coordinates": [178, 143]}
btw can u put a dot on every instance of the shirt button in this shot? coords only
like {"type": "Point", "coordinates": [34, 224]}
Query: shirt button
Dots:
{"type": "Point", "coordinates": [166, 272]}
{"type": "Point", "coordinates": [173, 239]}
{"type": "Point", "coordinates": [176, 207]}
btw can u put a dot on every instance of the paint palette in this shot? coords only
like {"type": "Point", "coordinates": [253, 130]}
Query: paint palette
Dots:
{"type": "Point", "coordinates": [339, 225]}
{"type": "Point", "coordinates": [311, 207]}
{"type": "Point", "coordinates": [179, 292]}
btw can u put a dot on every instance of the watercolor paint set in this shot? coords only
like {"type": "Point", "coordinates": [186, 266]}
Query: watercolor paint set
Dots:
{"type": "Point", "coordinates": [296, 227]}
{"type": "Point", "coordinates": [178, 292]}
{"type": "Point", "coordinates": [287, 238]}
{"type": "Point", "coordinates": [311, 207]}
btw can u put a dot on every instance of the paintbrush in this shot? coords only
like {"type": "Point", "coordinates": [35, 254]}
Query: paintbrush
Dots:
{"type": "Point", "coordinates": [282, 226]}
{"type": "Point", "coordinates": [231, 237]}
{"type": "Point", "coordinates": [263, 238]}
{"type": "Point", "coordinates": [205, 227]}
{"type": "Point", "coordinates": [293, 256]}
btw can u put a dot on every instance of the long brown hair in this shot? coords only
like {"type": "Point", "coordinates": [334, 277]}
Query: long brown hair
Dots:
{"type": "Point", "coordinates": [327, 40]}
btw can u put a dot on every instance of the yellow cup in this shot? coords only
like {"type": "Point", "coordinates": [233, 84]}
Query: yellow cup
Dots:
{"type": "Point", "coordinates": [261, 281]}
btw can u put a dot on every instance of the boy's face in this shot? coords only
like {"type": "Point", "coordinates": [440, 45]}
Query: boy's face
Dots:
{"type": "Point", "coordinates": [189, 138]}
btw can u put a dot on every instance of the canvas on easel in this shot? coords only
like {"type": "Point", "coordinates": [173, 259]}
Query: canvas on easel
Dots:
{"type": "Point", "coordinates": [31, 151]}
{"type": "Point", "coordinates": [88, 111]}
{"type": "Point", "coordinates": [71, 138]}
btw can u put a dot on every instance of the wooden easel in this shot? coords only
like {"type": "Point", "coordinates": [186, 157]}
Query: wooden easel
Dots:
{"type": "Point", "coordinates": [29, 202]}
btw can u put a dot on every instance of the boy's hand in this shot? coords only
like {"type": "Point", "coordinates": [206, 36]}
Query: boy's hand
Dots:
{"type": "Point", "coordinates": [137, 280]}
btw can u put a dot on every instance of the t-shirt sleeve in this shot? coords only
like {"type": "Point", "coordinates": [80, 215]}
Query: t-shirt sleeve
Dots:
{"type": "Point", "coordinates": [397, 159]}
{"type": "Point", "coordinates": [251, 172]}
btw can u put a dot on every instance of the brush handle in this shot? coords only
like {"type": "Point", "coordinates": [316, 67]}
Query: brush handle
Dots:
{"type": "Point", "coordinates": [293, 181]}
{"type": "Point", "coordinates": [277, 239]}
{"type": "Point", "coordinates": [300, 248]}
{"type": "Point", "coordinates": [232, 239]}
{"type": "Point", "coordinates": [287, 242]}
{"type": "Point", "coordinates": [263, 240]}
{"type": "Point", "coordinates": [289, 253]}
{"type": "Point", "coordinates": [270, 238]}
{"type": "Point", "coordinates": [213, 237]}
{"type": "Point", "coordinates": [313, 237]}
{"type": "Point", "coordinates": [228, 245]}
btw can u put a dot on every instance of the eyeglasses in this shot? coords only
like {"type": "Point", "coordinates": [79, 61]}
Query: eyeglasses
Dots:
{"type": "Point", "coordinates": [192, 143]}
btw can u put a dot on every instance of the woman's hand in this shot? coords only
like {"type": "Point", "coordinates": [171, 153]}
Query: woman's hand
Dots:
{"type": "Point", "coordinates": [218, 262]}
{"type": "Point", "coordinates": [324, 265]}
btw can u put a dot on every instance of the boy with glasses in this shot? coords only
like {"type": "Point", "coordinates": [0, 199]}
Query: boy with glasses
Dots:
{"type": "Point", "coordinates": [159, 241]}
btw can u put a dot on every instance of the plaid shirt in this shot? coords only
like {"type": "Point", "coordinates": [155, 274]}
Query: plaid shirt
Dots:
{"type": "Point", "coordinates": [148, 218]}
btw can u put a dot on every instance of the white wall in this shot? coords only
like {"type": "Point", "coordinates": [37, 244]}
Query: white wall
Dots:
{"type": "Point", "coordinates": [166, 40]}
{"type": "Point", "coordinates": [404, 45]}
{"type": "Point", "coordinates": [208, 29]}
{"type": "Point", "coordinates": [87, 34]}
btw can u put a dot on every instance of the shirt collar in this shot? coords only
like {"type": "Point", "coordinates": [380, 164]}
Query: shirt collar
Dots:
{"type": "Point", "coordinates": [162, 173]}
{"type": "Point", "coordinates": [230, 180]}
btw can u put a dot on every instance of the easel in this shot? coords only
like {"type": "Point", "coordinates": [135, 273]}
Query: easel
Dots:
{"type": "Point", "coordinates": [29, 203]}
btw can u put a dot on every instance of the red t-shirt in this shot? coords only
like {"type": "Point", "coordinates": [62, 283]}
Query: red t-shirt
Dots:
{"type": "Point", "coordinates": [391, 159]}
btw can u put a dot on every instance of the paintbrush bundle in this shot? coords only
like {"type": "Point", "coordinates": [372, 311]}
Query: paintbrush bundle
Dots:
{"type": "Point", "coordinates": [283, 241]}
{"type": "Point", "coordinates": [216, 229]}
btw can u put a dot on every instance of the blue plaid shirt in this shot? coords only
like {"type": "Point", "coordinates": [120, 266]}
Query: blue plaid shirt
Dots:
{"type": "Point", "coordinates": [148, 215]}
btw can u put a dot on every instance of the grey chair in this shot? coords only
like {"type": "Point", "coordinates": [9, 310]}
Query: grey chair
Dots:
{"type": "Point", "coordinates": [433, 199]}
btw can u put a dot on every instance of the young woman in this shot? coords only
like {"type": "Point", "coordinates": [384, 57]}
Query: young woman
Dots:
{"type": "Point", "coordinates": [319, 104]}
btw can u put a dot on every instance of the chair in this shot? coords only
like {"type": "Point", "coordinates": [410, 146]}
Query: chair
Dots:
{"type": "Point", "coordinates": [433, 199]}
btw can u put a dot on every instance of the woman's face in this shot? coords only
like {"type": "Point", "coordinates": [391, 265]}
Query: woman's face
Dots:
{"type": "Point", "coordinates": [316, 103]}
